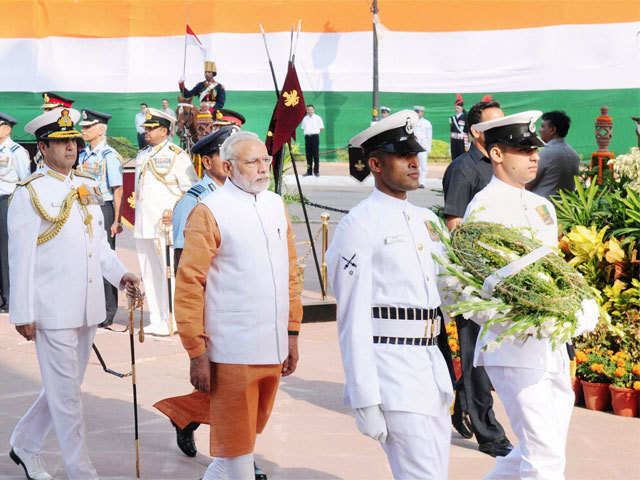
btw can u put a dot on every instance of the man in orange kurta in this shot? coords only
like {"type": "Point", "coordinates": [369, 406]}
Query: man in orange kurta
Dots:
{"type": "Point", "coordinates": [236, 303]}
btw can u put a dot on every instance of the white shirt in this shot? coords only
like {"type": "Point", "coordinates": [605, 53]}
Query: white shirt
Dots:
{"type": "Point", "coordinates": [14, 165]}
{"type": "Point", "coordinates": [58, 284]}
{"type": "Point", "coordinates": [312, 124]}
{"type": "Point", "coordinates": [140, 119]}
{"type": "Point", "coordinates": [380, 255]}
{"type": "Point", "coordinates": [163, 174]}
{"type": "Point", "coordinates": [424, 133]}
{"type": "Point", "coordinates": [535, 216]}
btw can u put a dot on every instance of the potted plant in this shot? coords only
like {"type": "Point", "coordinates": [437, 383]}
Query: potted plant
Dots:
{"type": "Point", "coordinates": [581, 357]}
{"type": "Point", "coordinates": [595, 380]}
{"type": "Point", "coordinates": [452, 333]}
{"type": "Point", "coordinates": [624, 398]}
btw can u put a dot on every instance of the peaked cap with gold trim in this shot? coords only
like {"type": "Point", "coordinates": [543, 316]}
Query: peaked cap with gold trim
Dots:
{"type": "Point", "coordinates": [158, 118]}
{"type": "Point", "coordinates": [53, 100]}
{"type": "Point", "coordinates": [54, 124]}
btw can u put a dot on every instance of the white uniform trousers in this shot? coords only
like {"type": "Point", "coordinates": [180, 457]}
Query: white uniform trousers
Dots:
{"type": "Point", "coordinates": [417, 445]}
{"type": "Point", "coordinates": [424, 166]}
{"type": "Point", "coordinates": [63, 356]}
{"type": "Point", "coordinates": [153, 268]}
{"type": "Point", "coordinates": [538, 404]}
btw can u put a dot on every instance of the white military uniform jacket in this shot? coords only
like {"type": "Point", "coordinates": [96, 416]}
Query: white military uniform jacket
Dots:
{"type": "Point", "coordinates": [58, 284]}
{"type": "Point", "coordinates": [380, 255]}
{"type": "Point", "coordinates": [247, 290]}
{"type": "Point", "coordinates": [515, 207]}
{"type": "Point", "coordinates": [14, 165]}
{"type": "Point", "coordinates": [424, 133]}
{"type": "Point", "coordinates": [163, 174]}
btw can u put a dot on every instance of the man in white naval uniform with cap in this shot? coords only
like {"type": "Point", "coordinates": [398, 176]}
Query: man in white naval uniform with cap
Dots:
{"type": "Point", "coordinates": [58, 255]}
{"type": "Point", "coordinates": [390, 328]}
{"type": "Point", "coordinates": [164, 172]}
{"type": "Point", "coordinates": [531, 378]}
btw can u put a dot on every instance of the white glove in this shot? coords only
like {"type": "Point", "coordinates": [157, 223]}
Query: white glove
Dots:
{"type": "Point", "coordinates": [370, 421]}
{"type": "Point", "coordinates": [587, 316]}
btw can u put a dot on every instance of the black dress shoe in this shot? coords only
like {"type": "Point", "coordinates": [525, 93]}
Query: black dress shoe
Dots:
{"type": "Point", "coordinates": [260, 475]}
{"type": "Point", "coordinates": [497, 448]}
{"type": "Point", "coordinates": [462, 424]}
{"type": "Point", "coordinates": [184, 439]}
{"type": "Point", "coordinates": [4, 308]}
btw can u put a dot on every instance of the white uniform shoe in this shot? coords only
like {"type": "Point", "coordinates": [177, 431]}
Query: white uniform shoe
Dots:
{"type": "Point", "coordinates": [31, 462]}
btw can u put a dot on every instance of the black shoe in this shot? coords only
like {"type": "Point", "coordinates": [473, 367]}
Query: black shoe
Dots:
{"type": "Point", "coordinates": [317, 174]}
{"type": "Point", "coordinates": [4, 308]}
{"type": "Point", "coordinates": [497, 448]}
{"type": "Point", "coordinates": [308, 174]}
{"type": "Point", "coordinates": [260, 475]}
{"type": "Point", "coordinates": [184, 439]}
{"type": "Point", "coordinates": [462, 424]}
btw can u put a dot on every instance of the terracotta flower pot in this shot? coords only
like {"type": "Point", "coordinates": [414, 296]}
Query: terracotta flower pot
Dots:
{"type": "Point", "coordinates": [596, 395]}
{"type": "Point", "coordinates": [624, 401]}
{"type": "Point", "coordinates": [577, 390]}
{"type": "Point", "coordinates": [457, 368]}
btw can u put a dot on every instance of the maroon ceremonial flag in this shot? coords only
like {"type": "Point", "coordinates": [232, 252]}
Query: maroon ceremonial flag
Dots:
{"type": "Point", "coordinates": [128, 205]}
{"type": "Point", "coordinates": [288, 113]}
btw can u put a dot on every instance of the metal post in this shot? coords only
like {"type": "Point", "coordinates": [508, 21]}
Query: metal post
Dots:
{"type": "Point", "coordinates": [376, 90]}
{"type": "Point", "coordinates": [325, 243]}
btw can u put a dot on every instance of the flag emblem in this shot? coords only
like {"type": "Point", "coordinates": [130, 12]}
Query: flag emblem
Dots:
{"type": "Point", "coordinates": [291, 99]}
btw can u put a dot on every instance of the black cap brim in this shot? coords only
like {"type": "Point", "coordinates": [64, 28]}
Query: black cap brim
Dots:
{"type": "Point", "coordinates": [410, 145]}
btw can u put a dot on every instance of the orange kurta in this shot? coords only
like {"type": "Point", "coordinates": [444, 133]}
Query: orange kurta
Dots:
{"type": "Point", "coordinates": [202, 240]}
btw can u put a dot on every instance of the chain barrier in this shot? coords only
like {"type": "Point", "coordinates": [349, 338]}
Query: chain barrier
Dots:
{"type": "Point", "coordinates": [325, 207]}
{"type": "Point", "coordinates": [302, 259]}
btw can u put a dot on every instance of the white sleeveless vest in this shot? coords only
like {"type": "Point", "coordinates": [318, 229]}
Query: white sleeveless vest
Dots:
{"type": "Point", "coordinates": [247, 291]}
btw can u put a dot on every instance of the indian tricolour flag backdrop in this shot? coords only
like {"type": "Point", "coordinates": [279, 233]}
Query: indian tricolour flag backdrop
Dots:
{"type": "Point", "coordinates": [110, 55]}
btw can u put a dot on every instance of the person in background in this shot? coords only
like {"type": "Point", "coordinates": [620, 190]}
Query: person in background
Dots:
{"type": "Point", "coordinates": [459, 134]}
{"type": "Point", "coordinates": [14, 167]}
{"type": "Point", "coordinates": [384, 112]}
{"type": "Point", "coordinates": [559, 163]}
{"type": "Point", "coordinates": [465, 176]}
{"type": "Point", "coordinates": [141, 117]}
{"type": "Point", "coordinates": [104, 164]}
{"type": "Point", "coordinates": [312, 125]}
{"type": "Point", "coordinates": [424, 133]}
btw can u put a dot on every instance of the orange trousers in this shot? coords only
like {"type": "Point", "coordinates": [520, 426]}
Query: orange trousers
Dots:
{"type": "Point", "coordinates": [237, 409]}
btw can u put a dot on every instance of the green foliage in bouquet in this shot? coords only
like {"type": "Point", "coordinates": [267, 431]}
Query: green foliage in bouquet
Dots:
{"type": "Point", "coordinates": [540, 300]}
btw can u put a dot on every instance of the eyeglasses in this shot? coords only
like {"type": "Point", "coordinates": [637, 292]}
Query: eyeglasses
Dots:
{"type": "Point", "coordinates": [253, 163]}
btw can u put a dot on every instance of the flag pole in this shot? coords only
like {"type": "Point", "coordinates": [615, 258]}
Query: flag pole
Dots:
{"type": "Point", "coordinates": [280, 154]}
{"type": "Point", "coordinates": [295, 48]}
{"type": "Point", "coordinates": [184, 61]}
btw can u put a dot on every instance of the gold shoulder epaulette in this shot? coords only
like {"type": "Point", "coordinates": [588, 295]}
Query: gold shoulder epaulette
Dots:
{"type": "Point", "coordinates": [82, 174]}
{"type": "Point", "coordinates": [176, 149]}
{"type": "Point", "coordinates": [30, 179]}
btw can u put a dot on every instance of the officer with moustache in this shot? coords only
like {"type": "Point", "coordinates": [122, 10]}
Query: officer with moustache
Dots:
{"type": "Point", "coordinates": [394, 347]}
{"type": "Point", "coordinates": [104, 164]}
{"type": "Point", "coordinates": [164, 172]}
{"type": "Point", "coordinates": [14, 167]}
{"type": "Point", "coordinates": [59, 256]}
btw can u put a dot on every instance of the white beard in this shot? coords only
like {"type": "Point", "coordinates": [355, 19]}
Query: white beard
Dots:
{"type": "Point", "coordinates": [249, 185]}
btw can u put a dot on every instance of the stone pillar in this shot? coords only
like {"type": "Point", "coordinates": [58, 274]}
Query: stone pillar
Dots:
{"type": "Point", "coordinates": [604, 132]}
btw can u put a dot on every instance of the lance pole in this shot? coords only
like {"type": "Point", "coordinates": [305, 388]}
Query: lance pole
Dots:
{"type": "Point", "coordinates": [376, 91]}
{"type": "Point", "coordinates": [280, 153]}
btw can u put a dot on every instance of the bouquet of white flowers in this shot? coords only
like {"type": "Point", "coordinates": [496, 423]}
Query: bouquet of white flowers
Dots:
{"type": "Point", "coordinates": [513, 285]}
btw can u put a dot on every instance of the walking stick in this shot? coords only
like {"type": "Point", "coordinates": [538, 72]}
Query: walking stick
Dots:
{"type": "Point", "coordinates": [133, 303]}
{"type": "Point", "coordinates": [168, 235]}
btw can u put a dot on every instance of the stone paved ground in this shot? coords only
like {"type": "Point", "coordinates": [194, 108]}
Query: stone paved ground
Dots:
{"type": "Point", "coordinates": [311, 435]}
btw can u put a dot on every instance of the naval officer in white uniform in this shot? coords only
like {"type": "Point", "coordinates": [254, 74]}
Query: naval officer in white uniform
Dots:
{"type": "Point", "coordinates": [164, 172]}
{"type": "Point", "coordinates": [58, 255]}
{"type": "Point", "coordinates": [531, 378]}
{"type": "Point", "coordinates": [390, 327]}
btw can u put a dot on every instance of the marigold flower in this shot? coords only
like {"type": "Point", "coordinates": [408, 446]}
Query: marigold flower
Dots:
{"type": "Point", "coordinates": [636, 385]}
{"type": "Point", "coordinates": [621, 362]}
{"type": "Point", "coordinates": [582, 357]}
{"type": "Point", "coordinates": [636, 369]}
{"type": "Point", "coordinates": [620, 372]}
